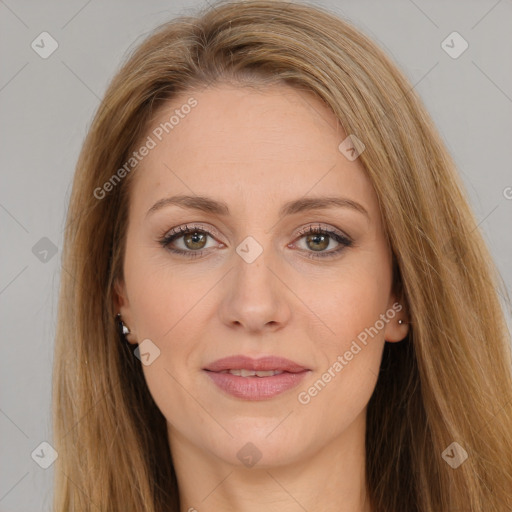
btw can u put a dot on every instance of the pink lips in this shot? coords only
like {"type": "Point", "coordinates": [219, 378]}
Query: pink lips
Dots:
{"type": "Point", "coordinates": [254, 387]}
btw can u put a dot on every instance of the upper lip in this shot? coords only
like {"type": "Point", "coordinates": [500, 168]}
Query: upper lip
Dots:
{"type": "Point", "coordinates": [267, 363]}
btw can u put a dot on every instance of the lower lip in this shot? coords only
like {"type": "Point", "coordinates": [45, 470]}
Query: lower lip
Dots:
{"type": "Point", "coordinates": [256, 388]}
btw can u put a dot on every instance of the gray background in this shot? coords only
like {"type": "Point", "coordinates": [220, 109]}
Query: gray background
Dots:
{"type": "Point", "coordinates": [46, 106]}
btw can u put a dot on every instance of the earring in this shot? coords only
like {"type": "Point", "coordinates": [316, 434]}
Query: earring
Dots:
{"type": "Point", "coordinates": [401, 322]}
{"type": "Point", "coordinates": [123, 330]}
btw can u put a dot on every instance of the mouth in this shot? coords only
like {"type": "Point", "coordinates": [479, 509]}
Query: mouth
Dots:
{"type": "Point", "coordinates": [253, 373]}
{"type": "Point", "coordinates": [248, 364]}
{"type": "Point", "coordinates": [255, 379]}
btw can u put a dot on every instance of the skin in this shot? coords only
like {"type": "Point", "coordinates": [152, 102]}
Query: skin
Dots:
{"type": "Point", "coordinates": [255, 150]}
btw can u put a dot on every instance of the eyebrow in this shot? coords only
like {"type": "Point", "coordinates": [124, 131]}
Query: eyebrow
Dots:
{"type": "Point", "coordinates": [209, 205]}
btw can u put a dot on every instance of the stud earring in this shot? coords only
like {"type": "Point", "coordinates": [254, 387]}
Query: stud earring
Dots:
{"type": "Point", "coordinates": [123, 329]}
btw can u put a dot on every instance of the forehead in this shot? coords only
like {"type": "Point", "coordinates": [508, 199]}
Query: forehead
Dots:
{"type": "Point", "coordinates": [277, 142]}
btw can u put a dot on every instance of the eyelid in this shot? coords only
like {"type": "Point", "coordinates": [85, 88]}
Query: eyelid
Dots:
{"type": "Point", "coordinates": [323, 227]}
{"type": "Point", "coordinates": [182, 228]}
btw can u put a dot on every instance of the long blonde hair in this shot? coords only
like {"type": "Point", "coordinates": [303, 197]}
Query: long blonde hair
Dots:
{"type": "Point", "coordinates": [448, 381]}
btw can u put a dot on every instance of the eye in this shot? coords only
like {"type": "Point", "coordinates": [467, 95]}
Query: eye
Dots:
{"type": "Point", "coordinates": [194, 240]}
{"type": "Point", "coordinates": [319, 238]}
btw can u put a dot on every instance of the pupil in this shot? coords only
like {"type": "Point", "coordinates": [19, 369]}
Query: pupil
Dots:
{"type": "Point", "coordinates": [194, 236]}
{"type": "Point", "coordinates": [316, 237]}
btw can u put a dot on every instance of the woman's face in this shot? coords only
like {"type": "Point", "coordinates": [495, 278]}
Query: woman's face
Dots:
{"type": "Point", "coordinates": [251, 282]}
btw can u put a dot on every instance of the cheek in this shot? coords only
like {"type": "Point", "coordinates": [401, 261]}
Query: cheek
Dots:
{"type": "Point", "coordinates": [347, 305]}
{"type": "Point", "coordinates": [161, 295]}
{"type": "Point", "coordinates": [168, 318]}
{"type": "Point", "coordinates": [168, 308]}
{"type": "Point", "coordinates": [351, 350]}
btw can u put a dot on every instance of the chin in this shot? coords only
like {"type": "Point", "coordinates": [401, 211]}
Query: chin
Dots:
{"type": "Point", "coordinates": [255, 448]}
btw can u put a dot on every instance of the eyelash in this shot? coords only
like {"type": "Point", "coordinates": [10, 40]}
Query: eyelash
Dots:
{"type": "Point", "coordinates": [310, 230]}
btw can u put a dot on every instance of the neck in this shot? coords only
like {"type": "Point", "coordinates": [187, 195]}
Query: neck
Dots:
{"type": "Point", "coordinates": [331, 479]}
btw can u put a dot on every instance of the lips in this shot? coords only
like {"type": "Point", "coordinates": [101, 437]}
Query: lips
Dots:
{"type": "Point", "coordinates": [263, 364]}
{"type": "Point", "coordinates": [255, 379]}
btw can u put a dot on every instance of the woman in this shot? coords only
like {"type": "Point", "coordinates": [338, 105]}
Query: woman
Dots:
{"type": "Point", "coordinates": [274, 295]}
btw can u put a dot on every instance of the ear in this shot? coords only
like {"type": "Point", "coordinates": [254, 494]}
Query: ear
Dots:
{"type": "Point", "coordinates": [122, 306]}
{"type": "Point", "coordinates": [394, 331]}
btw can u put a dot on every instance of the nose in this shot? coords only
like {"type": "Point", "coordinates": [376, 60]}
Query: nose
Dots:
{"type": "Point", "coordinates": [256, 297]}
